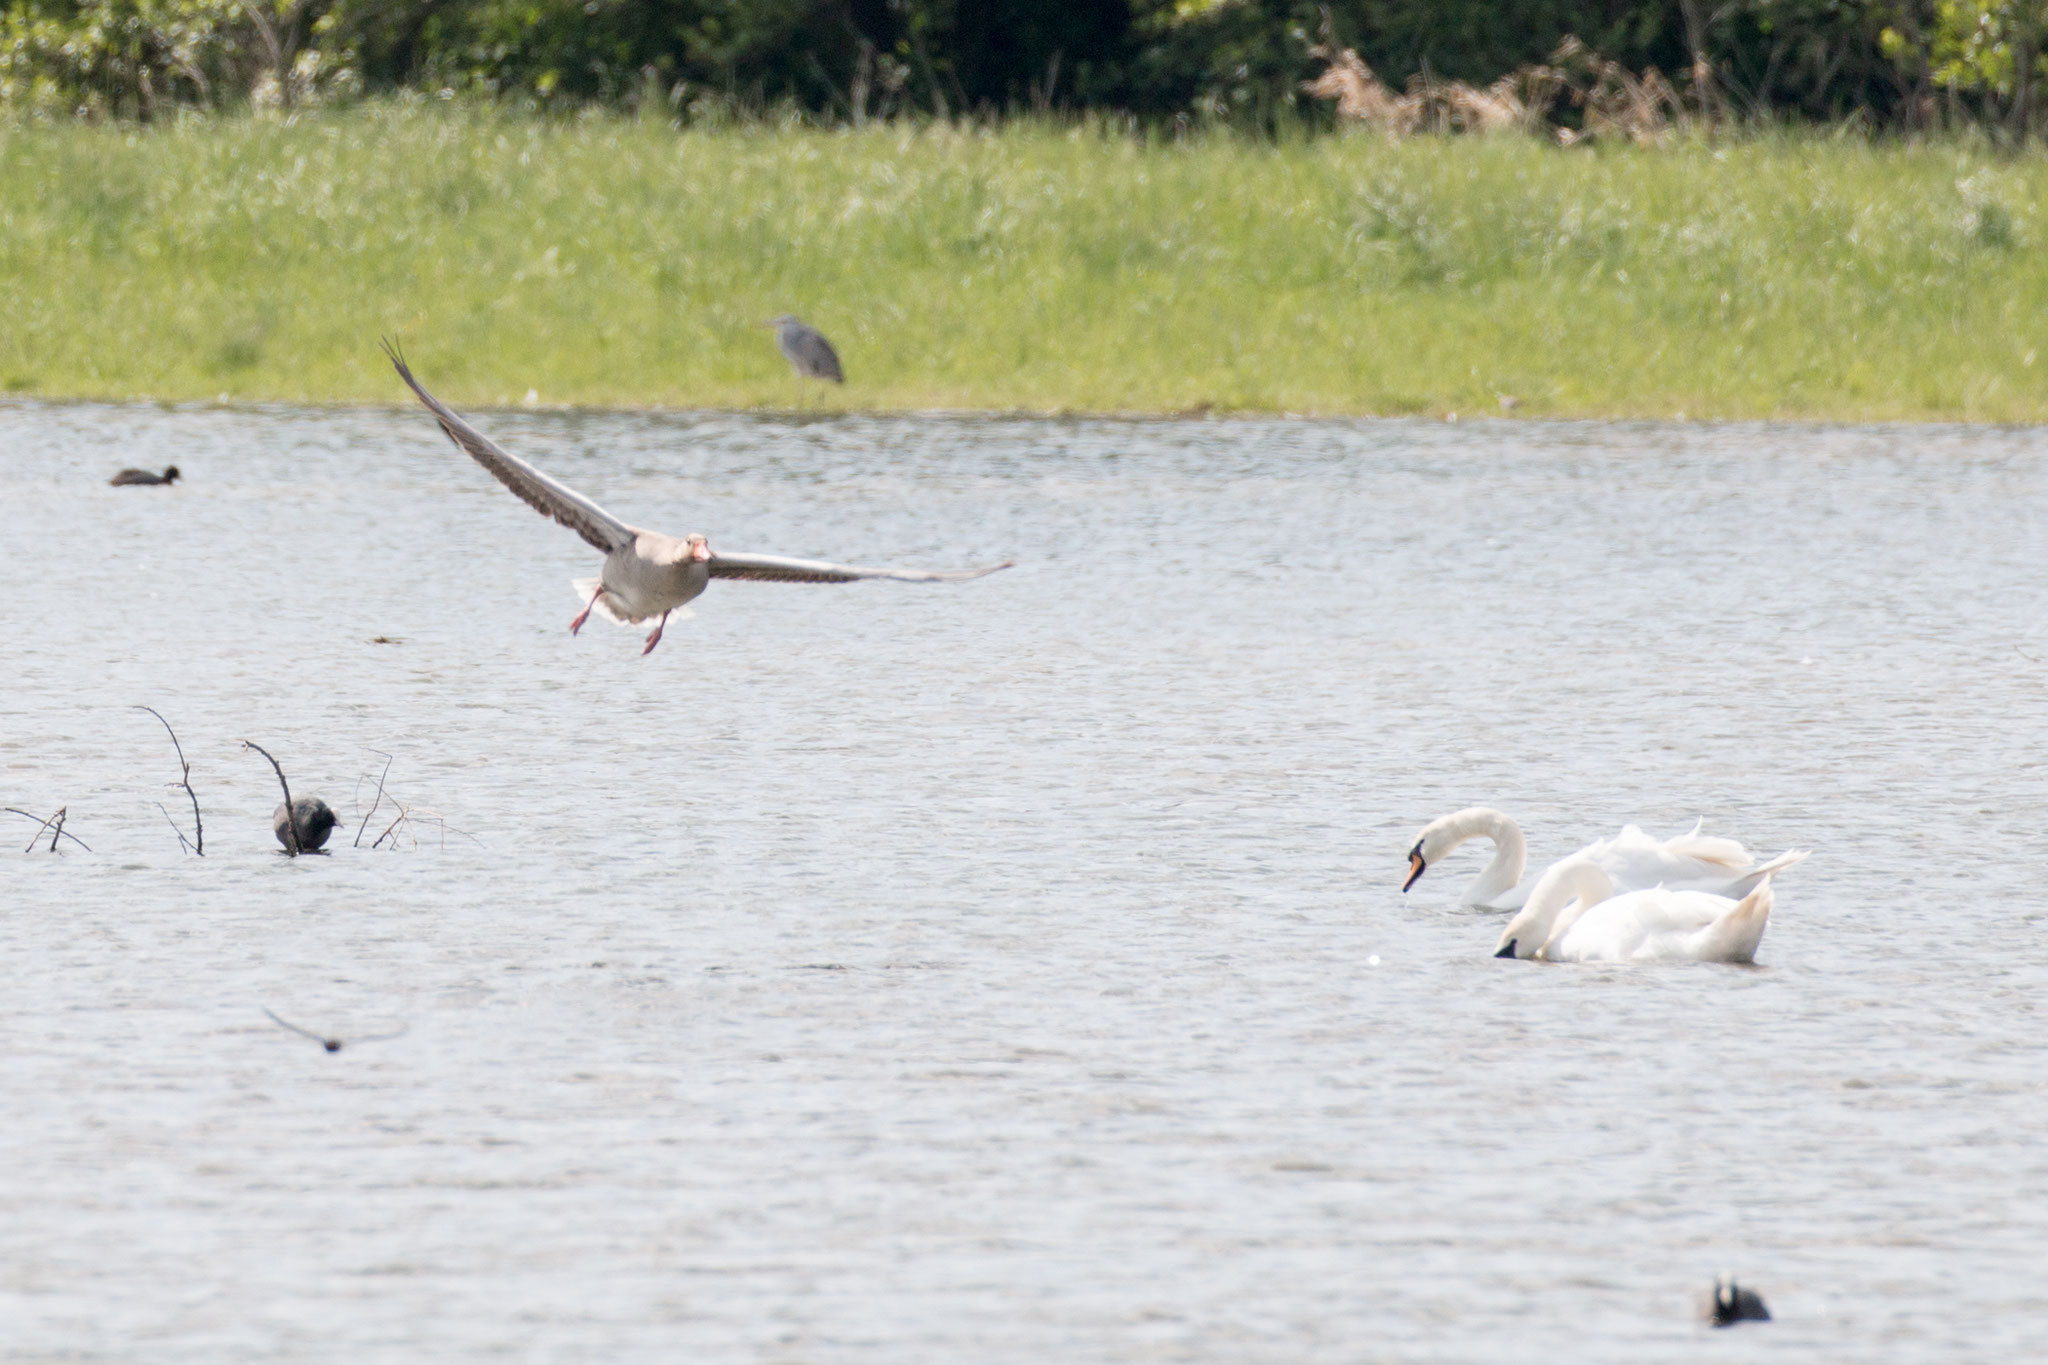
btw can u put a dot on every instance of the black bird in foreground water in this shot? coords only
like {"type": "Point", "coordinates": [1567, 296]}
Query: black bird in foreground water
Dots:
{"type": "Point", "coordinates": [1733, 1304]}
{"type": "Point", "coordinates": [143, 476]}
{"type": "Point", "coordinates": [315, 819]}
{"type": "Point", "coordinates": [332, 1044]}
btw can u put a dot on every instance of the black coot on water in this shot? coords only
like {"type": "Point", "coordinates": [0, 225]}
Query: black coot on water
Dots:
{"type": "Point", "coordinates": [143, 476]}
{"type": "Point", "coordinates": [1733, 1304]}
{"type": "Point", "coordinates": [315, 822]}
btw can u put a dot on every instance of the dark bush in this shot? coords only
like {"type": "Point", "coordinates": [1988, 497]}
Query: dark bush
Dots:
{"type": "Point", "coordinates": [1242, 61]}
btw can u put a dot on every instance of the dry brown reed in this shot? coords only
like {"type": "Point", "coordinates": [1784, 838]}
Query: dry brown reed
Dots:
{"type": "Point", "coordinates": [1613, 102]}
{"type": "Point", "coordinates": [1362, 98]}
{"type": "Point", "coordinates": [1616, 102]}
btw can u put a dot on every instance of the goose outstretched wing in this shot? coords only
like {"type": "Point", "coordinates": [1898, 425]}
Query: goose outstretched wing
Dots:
{"type": "Point", "coordinates": [781, 569]}
{"type": "Point", "coordinates": [546, 496]}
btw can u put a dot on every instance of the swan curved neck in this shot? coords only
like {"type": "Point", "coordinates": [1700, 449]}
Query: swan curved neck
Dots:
{"type": "Point", "coordinates": [1510, 851]}
{"type": "Point", "coordinates": [1566, 891]}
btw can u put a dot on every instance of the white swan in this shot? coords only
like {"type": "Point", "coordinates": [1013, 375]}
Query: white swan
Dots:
{"type": "Point", "coordinates": [1632, 860]}
{"type": "Point", "coordinates": [1574, 915]}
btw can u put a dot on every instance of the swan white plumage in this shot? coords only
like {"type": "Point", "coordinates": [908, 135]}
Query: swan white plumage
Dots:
{"type": "Point", "coordinates": [1574, 915]}
{"type": "Point", "coordinates": [1632, 860]}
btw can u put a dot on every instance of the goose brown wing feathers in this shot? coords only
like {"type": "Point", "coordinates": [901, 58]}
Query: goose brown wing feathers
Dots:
{"type": "Point", "coordinates": [780, 569]}
{"type": "Point", "coordinates": [545, 495]}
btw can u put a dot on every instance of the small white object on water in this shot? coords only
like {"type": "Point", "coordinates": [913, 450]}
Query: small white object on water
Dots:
{"type": "Point", "coordinates": [1373, 961]}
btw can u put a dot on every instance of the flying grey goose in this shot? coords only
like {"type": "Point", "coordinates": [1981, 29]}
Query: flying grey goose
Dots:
{"type": "Point", "coordinates": [646, 574]}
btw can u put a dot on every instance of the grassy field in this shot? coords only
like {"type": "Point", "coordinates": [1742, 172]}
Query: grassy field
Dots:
{"type": "Point", "coordinates": [1045, 268]}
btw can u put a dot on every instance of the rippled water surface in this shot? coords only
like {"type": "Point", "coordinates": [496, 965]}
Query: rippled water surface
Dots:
{"type": "Point", "coordinates": [1016, 971]}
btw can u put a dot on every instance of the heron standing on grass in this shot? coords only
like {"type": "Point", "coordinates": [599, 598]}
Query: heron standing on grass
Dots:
{"type": "Point", "coordinates": [806, 349]}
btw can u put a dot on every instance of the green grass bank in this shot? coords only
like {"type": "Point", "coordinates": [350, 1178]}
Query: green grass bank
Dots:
{"type": "Point", "coordinates": [1034, 267]}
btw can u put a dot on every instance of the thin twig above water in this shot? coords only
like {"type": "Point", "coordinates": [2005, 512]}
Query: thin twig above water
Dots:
{"type": "Point", "coordinates": [198, 843]}
{"type": "Point", "coordinates": [291, 823]}
{"type": "Point", "coordinates": [404, 814]}
{"type": "Point", "coordinates": [54, 824]}
{"type": "Point", "coordinates": [376, 803]}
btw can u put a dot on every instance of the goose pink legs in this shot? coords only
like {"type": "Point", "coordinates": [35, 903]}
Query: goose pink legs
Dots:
{"type": "Point", "coordinates": [576, 625]}
{"type": "Point", "coordinates": [584, 615]}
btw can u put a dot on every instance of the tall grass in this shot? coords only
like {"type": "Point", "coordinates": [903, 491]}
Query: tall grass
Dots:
{"type": "Point", "coordinates": [1028, 267]}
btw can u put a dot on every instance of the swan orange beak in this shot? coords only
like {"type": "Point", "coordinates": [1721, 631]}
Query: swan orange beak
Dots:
{"type": "Point", "coordinates": [1416, 867]}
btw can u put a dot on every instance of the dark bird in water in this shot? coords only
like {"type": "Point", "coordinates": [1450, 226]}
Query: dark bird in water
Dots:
{"type": "Point", "coordinates": [1733, 1304]}
{"type": "Point", "coordinates": [806, 349]}
{"type": "Point", "coordinates": [143, 476]}
{"type": "Point", "coordinates": [646, 574]}
{"type": "Point", "coordinates": [315, 821]}
{"type": "Point", "coordinates": [332, 1044]}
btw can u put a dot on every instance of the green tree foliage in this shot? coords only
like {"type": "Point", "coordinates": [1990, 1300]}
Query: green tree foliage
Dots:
{"type": "Point", "coordinates": [1242, 61]}
{"type": "Point", "coordinates": [1990, 51]}
{"type": "Point", "coordinates": [138, 57]}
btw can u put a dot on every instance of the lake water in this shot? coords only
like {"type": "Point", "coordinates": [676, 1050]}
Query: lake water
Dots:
{"type": "Point", "coordinates": [1016, 971]}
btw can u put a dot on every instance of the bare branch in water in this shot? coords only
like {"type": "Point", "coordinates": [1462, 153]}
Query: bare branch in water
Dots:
{"type": "Point", "coordinates": [41, 825]}
{"type": "Point", "coordinates": [183, 842]}
{"type": "Point", "coordinates": [291, 822]}
{"type": "Point", "coordinates": [55, 824]}
{"type": "Point", "coordinates": [399, 820]}
{"type": "Point", "coordinates": [374, 804]}
{"type": "Point", "coordinates": [448, 829]}
{"type": "Point", "coordinates": [198, 844]}
{"type": "Point", "coordinates": [335, 1044]}
{"type": "Point", "coordinates": [408, 820]}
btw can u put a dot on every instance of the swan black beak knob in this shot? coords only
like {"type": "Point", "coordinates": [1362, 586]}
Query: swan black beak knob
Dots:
{"type": "Point", "coordinates": [1416, 867]}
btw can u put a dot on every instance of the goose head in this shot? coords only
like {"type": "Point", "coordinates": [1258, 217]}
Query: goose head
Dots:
{"type": "Point", "coordinates": [697, 549]}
